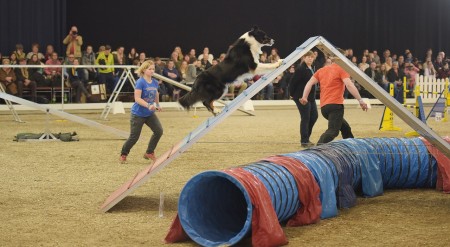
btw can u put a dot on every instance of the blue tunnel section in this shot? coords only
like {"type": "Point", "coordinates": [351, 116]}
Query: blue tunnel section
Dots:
{"type": "Point", "coordinates": [215, 209]}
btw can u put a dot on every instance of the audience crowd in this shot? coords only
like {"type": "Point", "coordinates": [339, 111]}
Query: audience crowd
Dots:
{"type": "Point", "coordinates": [385, 69]}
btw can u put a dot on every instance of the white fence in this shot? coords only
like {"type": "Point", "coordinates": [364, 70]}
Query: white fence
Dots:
{"type": "Point", "coordinates": [430, 87]}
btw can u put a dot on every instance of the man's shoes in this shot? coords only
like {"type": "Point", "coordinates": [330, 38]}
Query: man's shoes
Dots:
{"type": "Point", "coordinates": [123, 159]}
{"type": "Point", "coordinates": [307, 145]}
{"type": "Point", "coordinates": [150, 156]}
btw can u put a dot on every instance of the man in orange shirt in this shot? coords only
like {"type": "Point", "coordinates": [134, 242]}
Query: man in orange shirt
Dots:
{"type": "Point", "coordinates": [333, 80]}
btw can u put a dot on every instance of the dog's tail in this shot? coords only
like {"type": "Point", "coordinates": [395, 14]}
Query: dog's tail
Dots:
{"type": "Point", "coordinates": [188, 100]}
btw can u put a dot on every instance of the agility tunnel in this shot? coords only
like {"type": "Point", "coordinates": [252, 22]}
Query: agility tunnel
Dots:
{"type": "Point", "coordinates": [220, 208]}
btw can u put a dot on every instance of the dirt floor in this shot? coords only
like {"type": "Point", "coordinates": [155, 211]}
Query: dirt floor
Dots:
{"type": "Point", "coordinates": [51, 191]}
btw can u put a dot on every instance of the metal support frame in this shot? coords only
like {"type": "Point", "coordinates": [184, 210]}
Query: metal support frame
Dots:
{"type": "Point", "coordinates": [126, 74]}
{"type": "Point", "coordinates": [65, 115]}
{"type": "Point", "coordinates": [11, 107]}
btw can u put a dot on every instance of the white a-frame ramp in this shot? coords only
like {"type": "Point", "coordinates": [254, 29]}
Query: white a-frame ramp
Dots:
{"type": "Point", "coordinates": [211, 122]}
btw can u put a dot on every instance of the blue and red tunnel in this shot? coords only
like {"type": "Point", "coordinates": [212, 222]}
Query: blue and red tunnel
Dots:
{"type": "Point", "coordinates": [221, 207]}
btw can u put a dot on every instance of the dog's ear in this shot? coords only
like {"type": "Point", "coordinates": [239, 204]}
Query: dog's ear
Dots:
{"type": "Point", "coordinates": [255, 28]}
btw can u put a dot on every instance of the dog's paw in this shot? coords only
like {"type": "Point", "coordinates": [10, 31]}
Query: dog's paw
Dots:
{"type": "Point", "coordinates": [279, 62]}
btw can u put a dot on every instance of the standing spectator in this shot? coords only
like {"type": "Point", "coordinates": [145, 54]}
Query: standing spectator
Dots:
{"type": "Point", "coordinates": [308, 112]}
{"type": "Point", "coordinates": [88, 58]}
{"type": "Point", "coordinates": [333, 81]}
{"type": "Point", "coordinates": [146, 99]}
{"type": "Point", "coordinates": [53, 74]}
{"type": "Point", "coordinates": [8, 78]}
{"type": "Point", "coordinates": [74, 41]}
{"type": "Point", "coordinates": [35, 50]}
{"type": "Point", "coordinates": [77, 82]}
{"type": "Point", "coordinates": [395, 77]}
{"type": "Point", "coordinates": [444, 72]}
{"type": "Point", "coordinates": [106, 75]}
{"type": "Point", "coordinates": [25, 80]}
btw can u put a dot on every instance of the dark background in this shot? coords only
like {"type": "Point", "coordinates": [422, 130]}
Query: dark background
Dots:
{"type": "Point", "coordinates": [156, 27]}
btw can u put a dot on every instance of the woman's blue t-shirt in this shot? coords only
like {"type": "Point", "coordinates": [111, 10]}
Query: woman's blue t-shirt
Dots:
{"type": "Point", "coordinates": [149, 93]}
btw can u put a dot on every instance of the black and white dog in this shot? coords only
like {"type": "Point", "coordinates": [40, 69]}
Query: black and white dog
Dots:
{"type": "Point", "coordinates": [242, 58]}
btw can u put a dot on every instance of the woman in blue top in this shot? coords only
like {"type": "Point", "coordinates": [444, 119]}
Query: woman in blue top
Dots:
{"type": "Point", "coordinates": [146, 99]}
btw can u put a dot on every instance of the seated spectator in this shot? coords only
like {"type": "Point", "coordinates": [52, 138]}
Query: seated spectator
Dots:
{"type": "Point", "coordinates": [192, 72]}
{"type": "Point", "coordinates": [205, 63]}
{"type": "Point", "coordinates": [12, 59]}
{"type": "Point", "coordinates": [8, 78]}
{"type": "Point", "coordinates": [439, 62]}
{"type": "Point", "coordinates": [395, 77]}
{"type": "Point", "coordinates": [35, 50]}
{"type": "Point", "coordinates": [428, 69]}
{"type": "Point", "coordinates": [273, 57]}
{"type": "Point", "coordinates": [171, 72]}
{"type": "Point", "coordinates": [192, 55]}
{"type": "Point", "coordinates": [388, 63]}
{"type": "Point", "coordinates": [374, 74]}
{"type": "Point", "coordinates": [77, 82]}
{"type": "Point", "coordinates": [38, 73]}
{"type": "Point", "coordinates": [174, 57]}
{"type": "Point", "coordinates": [177, 49]}
{"type": "Point", "coordinates": [384, 81]}
{"type": "Point", "coordinates": [53, 74]}
{"type": "Point", "coordinates": [410, 72]}
{"type": "Point", "coordinates": [241, 85]}
{"type": "Point", "coordinates": [142, 58]}
{"type": "Point", "coordinates": [444, 72]}
{"type": "Point", "coordinates": [88, 58]}
{"type": "Point", "coordinates": [48, 52]}
{"type": "Point", "coordinates": [132, 55]}
{"type": "Point", "coordinates": [363, 65]}
{"type": "Point", "coordinates": [25, 80]}
{"type": "Point", "coordinates": [19, 51]}
{"type": "Point", "coordinates": [209, 57]}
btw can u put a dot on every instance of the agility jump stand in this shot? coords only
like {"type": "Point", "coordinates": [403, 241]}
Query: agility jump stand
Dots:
{"type": "Point", "coordinates": [441, 104]}
{"type": "Point", "coordinates": [329, 50]}
{"type": "Point", "coordinates": [418, 110]}
{"type": "Point", "coordinates": [11, 107]}
{"type": "Point", "coordinates": [387, 120]}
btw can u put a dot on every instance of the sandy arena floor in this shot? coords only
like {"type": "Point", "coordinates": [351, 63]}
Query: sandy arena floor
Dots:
{"type": "Point", "coordinates": [51, 191]}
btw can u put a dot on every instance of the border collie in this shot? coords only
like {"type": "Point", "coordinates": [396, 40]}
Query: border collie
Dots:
{"type": "Point", "coordinates": [242, 58]}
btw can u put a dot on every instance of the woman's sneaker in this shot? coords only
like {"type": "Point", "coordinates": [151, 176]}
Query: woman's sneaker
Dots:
{"type": "Point", "coordinates": [123, 159]}
{"type": "Point", "coordinates": [150, 156]}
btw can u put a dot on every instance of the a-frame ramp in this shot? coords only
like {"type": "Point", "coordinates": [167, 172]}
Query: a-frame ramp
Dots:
{"type": "Point", "coordinates": [204, 128]}
{"type": "Point", "coordinates": [210, 123]}
{"type": "Point", "coordinates": [65, 115]}
{"type": "Point", "coordinates": [385, 98]}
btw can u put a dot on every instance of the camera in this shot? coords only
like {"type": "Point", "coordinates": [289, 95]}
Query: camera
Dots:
{"type": "Point", "coordinates": [74, 32]}
{"type": "Point", "coordinates": [102, 62]}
